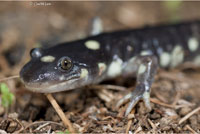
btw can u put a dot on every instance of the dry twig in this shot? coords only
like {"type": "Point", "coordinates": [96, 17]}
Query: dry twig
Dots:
{"type": "Point", "coordinates": [152, 125]}
{"type": "Point", "coordinates": [61, 114]}
{"type": "Point", "coordinates": [8, 78]}
{"type": "Point", "coordinates": [189, 128]}
{"type": "Point", "coordinates": [38, 122]}
{"type": "Point", "coordinates": [113, 87]}
{"type": "Point", "coordinates": [130, 121]}
{"type": "Point", "coordinates": [188, 115]}
{"type": "Point", "coordinates": [156, 101]}
{"type": "Point", "coordinates": [42, 126]}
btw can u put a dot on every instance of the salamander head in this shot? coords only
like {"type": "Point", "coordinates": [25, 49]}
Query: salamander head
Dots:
{"type": "Point", "coordinates": [47, 72]}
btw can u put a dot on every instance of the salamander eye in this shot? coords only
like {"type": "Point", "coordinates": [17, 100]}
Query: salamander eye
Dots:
{"type": "Point", "coordinates": [65, 63]}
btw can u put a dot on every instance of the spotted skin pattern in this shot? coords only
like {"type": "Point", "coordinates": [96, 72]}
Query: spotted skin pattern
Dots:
{"type": "Point", "coordinates": [136, 53]}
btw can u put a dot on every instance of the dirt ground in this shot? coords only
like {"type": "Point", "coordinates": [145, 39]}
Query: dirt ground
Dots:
{"type": "Point", "coordinates": [175, 96]}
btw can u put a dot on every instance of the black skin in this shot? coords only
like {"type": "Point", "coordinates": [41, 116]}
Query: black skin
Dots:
{"type": "Point", "coordinates": [155, 40]}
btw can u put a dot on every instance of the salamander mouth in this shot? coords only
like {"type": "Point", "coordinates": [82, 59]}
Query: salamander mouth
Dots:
{"type": "Point", "coordinates": [52, 88]}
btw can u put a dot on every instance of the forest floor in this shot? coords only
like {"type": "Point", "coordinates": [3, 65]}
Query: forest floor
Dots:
{"type": "Point", "coordinates": [175, 96]}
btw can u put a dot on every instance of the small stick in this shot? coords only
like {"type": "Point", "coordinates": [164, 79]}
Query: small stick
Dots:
{"type": "Point", "coordinates": [138, 130]}
{"type": "Point", "coordinates": [8, 78]}
{"type": "Point", "coordinates": [156, 101]}
{"type": "Point", "coordinates": [152, 125]}
{"type": "Point", "coordinates": [128, 126]}
{"type": "Point", "coordinates": [189, 115]}
{"type": "Point", "coordinates": [113, 87]}
{"type": "Point", "coordinates": [130, 122]}
{"type": "Point", "coordinates": [189, 128]}
{"type": "Point", "coordinates": [36, 123]}
{"type": "Point", "coordinates": [41, 126]}
{"type": "Point", "coordinates": [177, 97]}
{"type": "Point", "coordinates": [65, 120]}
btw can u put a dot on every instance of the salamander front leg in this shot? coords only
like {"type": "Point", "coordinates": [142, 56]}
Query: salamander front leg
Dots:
{"type": "Point", "coordinates": [146, 67]}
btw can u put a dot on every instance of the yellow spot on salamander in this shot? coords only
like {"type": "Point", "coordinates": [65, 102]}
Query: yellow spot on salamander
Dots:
{"type": "Point", "coordinates": [102, 67]}
{"type": "Point", "coordinates": [92, 44]}
{"type": "Point", "coordinates": [142, 69]}
{"type": "Point", "coordinates": [115, 68]}
{"type": "Point", "coordinates": [193, 44]}
{"type": "Point", "coordinates": [165, 59]}
{"type": "Point", "coordinates": [197, 60]}
{"type": "Point", "coordinates": [145, 52]}
{"type": "Point", "coordinates": [47, 58]}
{"type": "Point", "coordinates": [177, 56]}
{"type": "Point", "coordinates": [84, 73]}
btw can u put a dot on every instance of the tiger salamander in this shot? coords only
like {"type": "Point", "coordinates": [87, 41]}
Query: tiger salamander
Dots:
{"type": "Point", "coordinates": [138, 53]}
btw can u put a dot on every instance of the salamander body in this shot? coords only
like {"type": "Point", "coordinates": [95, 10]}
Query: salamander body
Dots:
{"type": "Point", "coordinates": [137, 53]}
